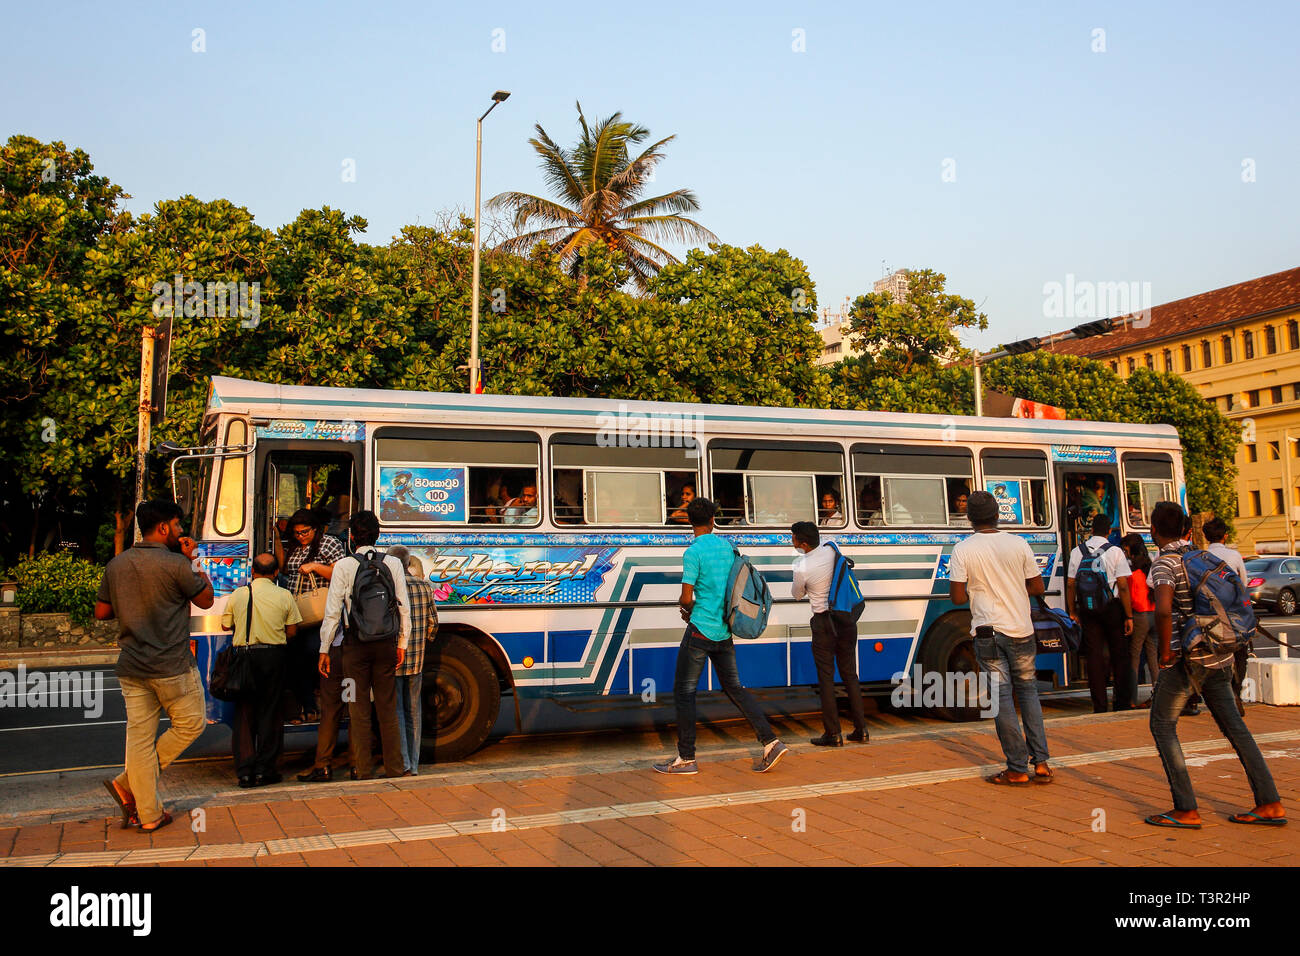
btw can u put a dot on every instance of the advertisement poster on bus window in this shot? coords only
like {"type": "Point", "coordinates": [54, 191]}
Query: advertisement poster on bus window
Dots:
{"type": "Point", "coordinates": [422, 492]}
{"type": "Point", "coordinates": [1006, 492]}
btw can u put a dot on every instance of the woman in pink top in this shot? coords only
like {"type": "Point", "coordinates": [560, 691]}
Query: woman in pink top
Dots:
{"type": "Point", "coordinates": [1143, 638]}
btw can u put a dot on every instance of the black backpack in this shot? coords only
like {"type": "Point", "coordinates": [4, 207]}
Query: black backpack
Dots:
{"type": "Point", "coordinates": [374, 600]}
{"type": "Point", "coordinates": [1092, 593]}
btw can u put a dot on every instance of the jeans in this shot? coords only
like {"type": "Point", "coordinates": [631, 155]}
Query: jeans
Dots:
{"type": "Point", "coordinates": [257, 737]}
{"type": "Point", "coordinates": [695, 651]}
{"type": "Point", "coordinates": [181, 697]}
{"type": "Point", "coordinates": [1142, 642]}
{"type": "Point", "coordinates": [833, 644]}
{"type": "Point", "coordinates": [372, 666]}
{"type": "Point", "coordinates": [1009, 661]}
{"type": "Point", "coordinates": [410, 718]}
{"type": "Point", "coordinates": [1107, 650]}
{"type": "Point", "coordinates": [1172, 690]}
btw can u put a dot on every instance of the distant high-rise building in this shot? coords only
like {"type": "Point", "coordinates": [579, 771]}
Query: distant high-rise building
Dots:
{"type": "Point", "coordinates": [895, 284]}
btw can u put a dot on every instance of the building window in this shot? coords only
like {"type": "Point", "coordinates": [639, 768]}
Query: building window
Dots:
{"type": "Point", "coordinates": [1227, 349]}
{"type": "Point", "coordinates": [1293, 334]}
{"type": "Point", "coordinates": [1169, 361]}
{"type": "Point", "coordinates": [1114, 367]}
{"type": "Point", "coordinates": [1131, 365]}
{"type": "Point", "coordinates": [1150, 362]}
{"type": "Point", "coordinates": [1277, 501]}
{"type": "Point", "coordinates": [1274, 451]}
{"type": "Point", "coordinates": [1227, 401]}
{"type": "Point", "coordinates": [1207, 354]}
{"type": "Point", "coordinates": [1276, 394]}
{"type": "Point", "coordinates": [1254, 503]}
{"type": "Point", "coordinates": [1248, 344]}
{"type": "Point", "coordinates": [1187, 358]}
{"type": "Point", "coordinates": [1252, 398]}
{"type": "Point", "coordinates": [1270, 340]}
{"type": "Point", "coordinates": [1252, 452]}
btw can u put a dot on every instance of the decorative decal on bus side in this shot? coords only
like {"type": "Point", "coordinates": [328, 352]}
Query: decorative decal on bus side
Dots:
{"type": "Point", "coordinates": [226, 563]}
{"type": "Point", "coordinates": [517, 575]}
{"type": "Point", "coordinates": [323, 430]}
{"type": "Point", "coordinates": [1084, 454]}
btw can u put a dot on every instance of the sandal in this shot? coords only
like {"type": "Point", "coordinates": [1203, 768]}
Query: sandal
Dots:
{"type": "Point", "coordinates": [1002, 780]}
{"type": "Point", "coordinates": [1042, 777]}
{"type": "Point", "coordinates": [165, 819]}
{"type": "Point", "coordinates": [1251, 817]}
{"type": "Point", "coordinates": [129, 817]}
{"type": "Point", "coordinates": [1168, 820]}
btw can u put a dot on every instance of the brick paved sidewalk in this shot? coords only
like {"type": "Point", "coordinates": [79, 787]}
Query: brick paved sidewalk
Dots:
{"type": "Point", "coordinates": [914, 800]}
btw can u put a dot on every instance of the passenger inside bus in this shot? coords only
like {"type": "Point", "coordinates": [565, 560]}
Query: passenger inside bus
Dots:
{"type": "Point", "coordinates": [870, 511]}
{"type": "Point", "coordinates": [830, 514]}
{"type": "Point", "coordinates": [684, 498]}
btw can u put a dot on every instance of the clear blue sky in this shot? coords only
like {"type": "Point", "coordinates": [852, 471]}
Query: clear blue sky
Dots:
{"type": "Point", "coordinates": [1124, 165]}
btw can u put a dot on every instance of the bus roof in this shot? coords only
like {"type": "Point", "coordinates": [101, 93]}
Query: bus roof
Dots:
{"type": "Point", "coordinates": [271, 401]}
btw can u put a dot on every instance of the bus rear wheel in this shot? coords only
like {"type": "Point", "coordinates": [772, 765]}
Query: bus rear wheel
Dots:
{"type": "Point", "coordinates": [461, 699]}
{"type": "Point", "coordinates": [949, 649]}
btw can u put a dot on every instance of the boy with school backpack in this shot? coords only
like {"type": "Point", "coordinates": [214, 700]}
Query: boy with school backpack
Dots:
{"type": "Point", "coordinates": [722, 594]}
{"type": "Point", "coordinates": [367, 594]}
{"type": "Point", "coordinates": [1202, 616]}
{"type": "Point", "coordinates": [1097, 597]}
{"type": "Point", "coordinates": [825, 577]}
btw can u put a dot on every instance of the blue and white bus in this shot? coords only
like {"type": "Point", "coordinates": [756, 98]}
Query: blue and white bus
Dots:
{"type": "Point", "coordinates": [552, 529]}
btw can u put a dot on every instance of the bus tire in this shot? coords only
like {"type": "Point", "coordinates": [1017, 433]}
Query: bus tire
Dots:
{"type": "Point", "coordinates": [949, 648]}
{"type": "Point", "coordinates": [460, 700]}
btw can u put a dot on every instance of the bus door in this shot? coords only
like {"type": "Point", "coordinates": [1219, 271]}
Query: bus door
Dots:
{"type": "Point", "coordinates": [322, 476]}
{"type": "Point", "coordinates": [1083, 491]}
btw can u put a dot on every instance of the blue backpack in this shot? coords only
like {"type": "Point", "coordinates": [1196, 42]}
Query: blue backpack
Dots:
{"type": "Point", "coordinates": [1222, 619]}
{"type": "Point", "coordinates": [1054, 629]}
{"type": "Point", "coordinates": [748, 601]}
{"type": "Point", "coordinates": [845, 600]}
{"type": "Point", "coordinates": [1092, 591]}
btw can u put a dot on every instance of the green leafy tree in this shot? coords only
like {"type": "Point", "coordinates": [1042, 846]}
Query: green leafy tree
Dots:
{"type": "Point", "coordinates": [922, 329]}
{"type": "Point", "coordinates": [598, 184]}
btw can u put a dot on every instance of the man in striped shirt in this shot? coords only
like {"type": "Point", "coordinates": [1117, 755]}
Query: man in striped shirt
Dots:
{"type": "Point", "coordinates": [410, 673]}
{"type": "Point", "coordinates": [1174, 604]}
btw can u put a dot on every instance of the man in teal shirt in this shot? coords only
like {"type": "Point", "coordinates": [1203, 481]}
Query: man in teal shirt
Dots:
{"type": "Point", "coordinates": [705, 569]}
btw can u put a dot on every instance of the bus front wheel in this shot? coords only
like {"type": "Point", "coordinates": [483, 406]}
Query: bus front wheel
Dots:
{"type": "Point", "coordinates": [949, 650]}
{"type": "Point", "coordinates": [461, 699]}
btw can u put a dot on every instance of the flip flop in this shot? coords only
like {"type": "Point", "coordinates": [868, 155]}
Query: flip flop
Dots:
{"type": "Point", "coordinates": [1253, 818]}
{"type": "Point", "coordinates": [129, 818]}
{"type": "Point", "coordinates": [1001, 780]}
{"type": "Point", "coordinates": [1165, 820]}
{"type": "Point", "coordinates": [165, 819]}
{"type": "Point", "coordinates": [1042, 777]}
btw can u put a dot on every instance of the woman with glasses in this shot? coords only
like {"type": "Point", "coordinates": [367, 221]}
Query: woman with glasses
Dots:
{"type": "Point", "coordinates": [309, 565]}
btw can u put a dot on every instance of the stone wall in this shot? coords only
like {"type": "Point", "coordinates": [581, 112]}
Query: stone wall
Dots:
{"type": "Point", "coordinates": [54, 630]}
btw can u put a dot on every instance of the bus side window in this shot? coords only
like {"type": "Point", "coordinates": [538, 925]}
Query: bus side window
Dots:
{"type": "Point", "coordinates": [612, 485]}
{"type": "Point", "coordinates": [775, 483]}
{"type": "Point", "coordinates": [912, 485]}
{"type": "Point", "coordinates": [1147, 480]}
{"type": "Point", "coordinates": [1017, 478]}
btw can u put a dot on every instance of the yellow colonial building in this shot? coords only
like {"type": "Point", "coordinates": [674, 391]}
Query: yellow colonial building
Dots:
{"type": "Point", "coordinates": [1240, 346]}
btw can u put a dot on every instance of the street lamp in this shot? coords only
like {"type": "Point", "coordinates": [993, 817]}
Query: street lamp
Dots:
{"type": "Point", "coordinates": [1288, 494]}
{"type": "Point", "coordinates": [499, 96]}
{"type": "Point", "coordinates": [1087, 330]}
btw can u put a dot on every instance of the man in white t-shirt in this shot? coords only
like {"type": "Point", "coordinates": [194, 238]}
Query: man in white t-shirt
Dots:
{"type": "Point", "coordinates": [1105, 631]}
{"type": "Point", "coordinates": [997, 573]}
{"type": "Point", "coordinates": [1215, 531]}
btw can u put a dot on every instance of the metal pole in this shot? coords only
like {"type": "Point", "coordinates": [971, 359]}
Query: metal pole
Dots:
{"type": "Point", "coordinates": [473, 321]}
{"type": "Point", "coordinates": [979, 388]}
{"type": "Point", "coordinates": [146, 410]}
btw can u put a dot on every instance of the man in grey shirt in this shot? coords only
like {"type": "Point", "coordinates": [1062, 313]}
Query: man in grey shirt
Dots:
{"type": "Point", "coordinates": [149, 589]}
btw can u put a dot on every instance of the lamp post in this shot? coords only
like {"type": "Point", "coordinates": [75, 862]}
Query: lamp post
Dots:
{"type": "Point", "coordinates": [499, 96]}
{"type": "Point", "coordinates": [1288, 493]}
{"type": "Point", "coordinates": [1087, 330]}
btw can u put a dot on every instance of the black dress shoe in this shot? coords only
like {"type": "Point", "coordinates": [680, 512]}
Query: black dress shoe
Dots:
{"type": "Point", "coordinates": [317, 775]}
{"type": "Point", "coordinates": [246, 782]}
{"type": "Point", "coordinates": [266, 779]}
{"type": "Point", "coordinates": [859, 736]}
{"type": "Point", "coordinates": [827, 740]}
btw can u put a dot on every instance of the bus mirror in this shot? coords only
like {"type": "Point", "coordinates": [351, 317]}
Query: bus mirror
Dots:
{"type": "Point", "coordinates": [183, 493]}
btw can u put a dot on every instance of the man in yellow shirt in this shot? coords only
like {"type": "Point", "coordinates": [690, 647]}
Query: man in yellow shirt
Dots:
{"type": "Point", "coordinates": [258, 734]}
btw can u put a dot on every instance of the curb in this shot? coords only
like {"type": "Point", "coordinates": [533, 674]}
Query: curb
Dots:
{"type": "Point", "coordinates": [42, 657]}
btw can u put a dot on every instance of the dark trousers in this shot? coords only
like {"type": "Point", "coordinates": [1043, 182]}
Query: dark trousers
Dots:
{"type": "Point", "coordinates": [301, 675]}
{"type": "Point", "coordinates": [1171, 693]}
{"type": "Point", "coordinates": [1108, 655]}
{"type": "Point", "coordinates": [695, 651]}
{"type": "Point", "coordinates": [836, 644]}
{"type": "Point", "coordinates": [372, 666]}
{"type": "Point", "coordinates": [257, 738]}
{"type": "Point", "coordinates": [331, 707]}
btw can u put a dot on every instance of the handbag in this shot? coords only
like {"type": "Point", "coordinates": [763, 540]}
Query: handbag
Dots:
{"type": "Point", "coordinates": [311, 601]}
{"type": "Point", "coordinates": [1054, 629]}
{"type": "Point", "coordinates": [232, 671]}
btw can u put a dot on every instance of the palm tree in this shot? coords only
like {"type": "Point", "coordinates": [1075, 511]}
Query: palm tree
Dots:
{"type": "Point", "coordinates": [599, 185]}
